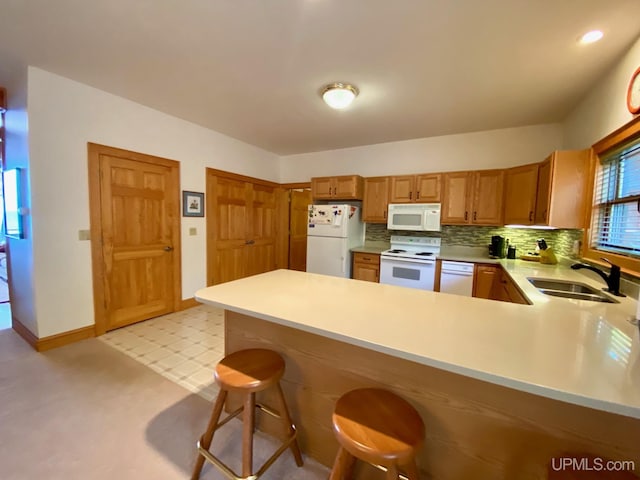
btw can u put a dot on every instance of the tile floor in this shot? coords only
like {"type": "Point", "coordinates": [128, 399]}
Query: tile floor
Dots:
{"type": "Point", "coordinates": [183, 346]}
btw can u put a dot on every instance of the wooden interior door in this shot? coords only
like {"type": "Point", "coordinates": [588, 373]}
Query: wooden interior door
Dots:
{"type": "Point", "coordinates": [298, 219]}
{"type": "Point", "coordinates": [261, 229]}
{"type": "Point", "coordinates": [135, 227]}
{"type": "Point", "coordinates": [229, 207]}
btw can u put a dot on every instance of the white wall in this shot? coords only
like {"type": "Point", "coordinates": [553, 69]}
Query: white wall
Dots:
{"type": "Point", "coordinates": [604, 109]}
{"type": "Point", "coordinates": [63, 116]}
{"type": "Point", "coordinates": [470, 151]}
{"type": "Point", "coordinates": [20, 251]}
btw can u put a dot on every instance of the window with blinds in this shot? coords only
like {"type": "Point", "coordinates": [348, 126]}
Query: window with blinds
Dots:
{"type": "Point", "coordinates": [615, 225]}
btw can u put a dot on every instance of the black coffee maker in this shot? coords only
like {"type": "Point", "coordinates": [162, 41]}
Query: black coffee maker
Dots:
{"type": "Point", "coordinates": [497, 247]}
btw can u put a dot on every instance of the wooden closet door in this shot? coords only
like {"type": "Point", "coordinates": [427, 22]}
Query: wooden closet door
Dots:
{"type": "Point", "coordinates": [229, 206]}
{"type": "Point", "coordinates": [261, 229]}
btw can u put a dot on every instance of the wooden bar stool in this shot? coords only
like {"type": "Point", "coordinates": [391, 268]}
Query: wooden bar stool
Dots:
{"type": "Point", "coordinates": [247, 372]}
{"type": "Point", "coordinates": [380, 428]}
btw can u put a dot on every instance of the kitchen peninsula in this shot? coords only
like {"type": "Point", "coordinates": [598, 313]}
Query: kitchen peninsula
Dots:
{"type": "Point", "coordinates": [501, 387]}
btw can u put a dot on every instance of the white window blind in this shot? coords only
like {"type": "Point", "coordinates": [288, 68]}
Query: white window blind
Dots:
{"type": "Point", "coordinates": [615, 225]}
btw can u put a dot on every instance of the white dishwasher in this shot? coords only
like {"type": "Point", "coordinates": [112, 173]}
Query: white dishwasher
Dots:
{"type": "Point", "coordinates": [456, 278]}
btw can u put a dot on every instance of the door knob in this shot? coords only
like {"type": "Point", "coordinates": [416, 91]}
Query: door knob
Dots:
{"type": "Point", "coordinates": [168, 249]}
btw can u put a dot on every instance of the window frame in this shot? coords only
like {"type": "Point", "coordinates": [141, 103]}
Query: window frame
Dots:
{"type": "Point", "coordinates": [627, 133]}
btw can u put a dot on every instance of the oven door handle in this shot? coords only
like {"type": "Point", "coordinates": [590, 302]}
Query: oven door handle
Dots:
{"type": "Point", "coordinates": [408, 260]}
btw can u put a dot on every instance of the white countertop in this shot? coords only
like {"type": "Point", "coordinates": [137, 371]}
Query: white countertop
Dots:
{"type": "Point", "coordinates": [586, 353]}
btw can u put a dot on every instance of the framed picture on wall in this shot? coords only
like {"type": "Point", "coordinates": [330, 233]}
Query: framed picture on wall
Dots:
{"type": "Point", "coordinates": [192, 204]}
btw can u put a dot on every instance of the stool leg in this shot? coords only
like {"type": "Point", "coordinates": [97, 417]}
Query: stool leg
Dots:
{"type": "Point", "coordinates": [248, 418]}
{"type": "Point", "coordinates": [284, 413]}
{"type": "Point", "coordinates": [343, 465]}
{"type": "Point", "coordinates": [392, 472]}
{"type": "Point", "coordinates": [205, 441]}
{"type": "Point", "coordinates": [411, 470]}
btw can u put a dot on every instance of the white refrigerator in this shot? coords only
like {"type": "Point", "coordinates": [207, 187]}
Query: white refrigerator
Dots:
{"type": "Point", "coordinates": [332, 231]}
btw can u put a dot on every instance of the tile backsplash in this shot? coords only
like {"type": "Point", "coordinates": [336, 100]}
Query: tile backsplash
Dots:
{"type": "Point", "coordinates": [473, 236]}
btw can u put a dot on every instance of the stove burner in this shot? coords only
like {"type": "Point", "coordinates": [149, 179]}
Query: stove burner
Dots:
{"type": "Point", "coordinates": [397, 251]}
{"type": "Point", "coordinates": [424, 254]}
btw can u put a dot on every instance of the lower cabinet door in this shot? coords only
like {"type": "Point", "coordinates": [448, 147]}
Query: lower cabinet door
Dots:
{"type": "Point", "coordinates": [369, 273]}
{"type": "Point", "coordinates": [483, 280]}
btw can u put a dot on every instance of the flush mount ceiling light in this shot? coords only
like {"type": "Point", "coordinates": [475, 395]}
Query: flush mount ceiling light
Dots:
{"type": "Point", "coordinates": [591, 37]}
{"type": "Point", "coordinates": [339, 95]}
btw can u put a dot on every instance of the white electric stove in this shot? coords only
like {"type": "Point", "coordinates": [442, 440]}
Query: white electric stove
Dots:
{"type": "Point", "coordinates": [410, 262]}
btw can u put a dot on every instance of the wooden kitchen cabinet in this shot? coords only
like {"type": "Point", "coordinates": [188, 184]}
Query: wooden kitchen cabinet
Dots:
{"type": "Point", "coordinates": [562, 189]}
{"type": "Point", "coordinates": [366, 266]}
{"type": "Point", "coordinates": [347, 187]}
{"type": "Point", "coordinates": [520, 195]}
{"type": "Point", "coordinates": [506, 290]}
{"type": "Point", "coordinates": [484, 279]}
{"type": "Point", "coordinates": [376, 200]}
{"type": "Point", "coordinates": [424, 188]}
{"type": "Point", "coordinates": [473, 198]}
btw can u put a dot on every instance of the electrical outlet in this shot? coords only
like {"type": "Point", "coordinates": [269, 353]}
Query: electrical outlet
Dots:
{"type": "Point", "coordinates": [84, 234]}
{"type": "Point", "coordinates": [193, 231]}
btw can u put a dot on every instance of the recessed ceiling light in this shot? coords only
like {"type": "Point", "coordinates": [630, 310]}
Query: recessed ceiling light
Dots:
{"type": "Point", "coordinates": [591, 37]}
{"type": "Point", "coordinates": [339, 95]}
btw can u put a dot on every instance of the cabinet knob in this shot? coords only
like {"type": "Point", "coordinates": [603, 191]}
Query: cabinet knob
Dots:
{"type": "Point", "coordinates": [466, 215]}
{"type": "Point", "coordinates": [474, 216]}
{"type": "Point", "coordinates": [168, 249]}
{"type": "Point", "coordinates": [418, 195]}
{"type": "Point", "coordinates": [410, 195]}
{"type": "Point", "coordinates": [531, 216]}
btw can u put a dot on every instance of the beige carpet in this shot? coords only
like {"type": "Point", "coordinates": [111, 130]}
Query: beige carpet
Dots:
{"type": "Point", "coordinates": [87, 411]}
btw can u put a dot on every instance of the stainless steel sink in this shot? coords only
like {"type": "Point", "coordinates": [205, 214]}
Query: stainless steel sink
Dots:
{"type": "Point", "coordinates": [571, 290]}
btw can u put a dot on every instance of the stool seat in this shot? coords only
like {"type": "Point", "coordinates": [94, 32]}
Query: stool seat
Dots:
{"type": "Point", "coordinates": [377, 426]}
{"type": "Point", "coordinates": [250, 370]}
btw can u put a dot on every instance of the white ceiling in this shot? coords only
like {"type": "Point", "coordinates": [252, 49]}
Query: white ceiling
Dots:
{"type": "Point", "coordinates": [252, 69]}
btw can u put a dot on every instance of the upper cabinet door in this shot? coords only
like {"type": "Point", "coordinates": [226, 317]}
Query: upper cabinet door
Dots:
{"type": "Point", "coordinates": [346, 187]}
{"type": "Point", "coordinates": [402, 189]}
{"type": "Point", "coordinates": [428, 188]}
{"type": "Point", "coordinates": [543, 192]}
{"type": "Point", "coordinates": [563, 181]}
{"type": "Point", "coordinates": [488, 193]}
{"type": "Point", "coordinates": [376, 199]}
{"type": "Point", "coordinates": [349, 187]}
{"type": "Point", "coordinates": [456, 188]}
{"type": "Point", "coordinates": [520, 194]}
{"type": "Point", "coordinates": [322, 187]}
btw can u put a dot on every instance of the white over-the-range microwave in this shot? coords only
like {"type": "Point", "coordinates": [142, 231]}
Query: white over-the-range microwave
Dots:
{"type": "Point", "coordinates": [423, 217]}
